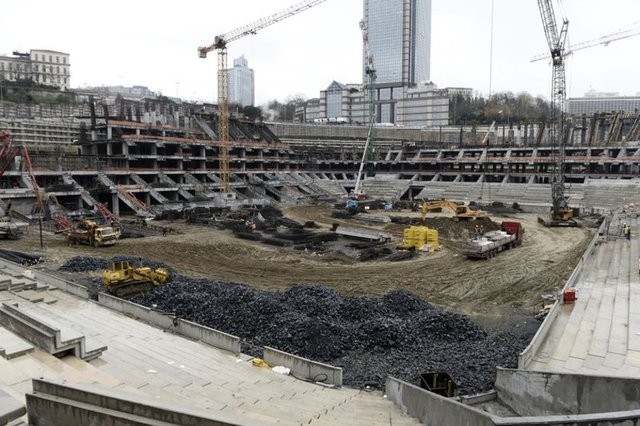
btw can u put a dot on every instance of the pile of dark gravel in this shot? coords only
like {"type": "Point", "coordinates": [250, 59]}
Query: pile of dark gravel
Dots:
{"type": "Point", "coordinates": [87, 264]}
{"type": "Point", "coordinates": [370, 337]}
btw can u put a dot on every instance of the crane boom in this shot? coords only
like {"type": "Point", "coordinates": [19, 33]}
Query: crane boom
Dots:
{"type": "Point", "coordinates": [7, 154]}
{"type": "Point", "coordinates": [220, 44]}
{"type": "Point", "coordinates": [371, 76]}
{"type": "Point", "coordinates": [258, 25]}
{"type": "Point", "coordinates": [606, 39]}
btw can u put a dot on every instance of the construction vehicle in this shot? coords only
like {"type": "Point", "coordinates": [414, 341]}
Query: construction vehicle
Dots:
{"type": "Point", "coordinates": [220, 44]}
{"type": "Point", "coordinates": [487, 245]}
{"type": "Point", "coordinates": [122, 280]}
{"type": "Point", "coordinates": [560, 213]}
{"type": "Point", "coordinates": [91, 233]}
{"type": "Point", "coordinates": [460, 211]}
{"type": "Point", "coordinates": [8, 153]}
{"type": "Point", "coordinates": [9, 229]}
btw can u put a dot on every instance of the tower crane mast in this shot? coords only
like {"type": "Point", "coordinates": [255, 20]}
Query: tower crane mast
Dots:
{"type": "Point", "coordinates": [561, 214]}
{"type": "Point", "coordinates": [220, 44]}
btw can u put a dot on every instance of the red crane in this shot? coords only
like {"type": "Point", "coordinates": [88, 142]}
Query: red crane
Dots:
{"type": "Point", "coordinates": [7, 154]}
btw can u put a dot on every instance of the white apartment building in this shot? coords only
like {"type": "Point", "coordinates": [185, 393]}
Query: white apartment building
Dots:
{"type": "Point", "coordinates": [46, 67]}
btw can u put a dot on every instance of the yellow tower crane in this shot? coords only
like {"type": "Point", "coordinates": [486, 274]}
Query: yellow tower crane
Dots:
{"type": "Point", "coordinates": [220, 44]}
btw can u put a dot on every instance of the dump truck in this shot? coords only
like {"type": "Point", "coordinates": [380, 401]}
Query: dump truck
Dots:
{"type": "Point", "coordinates": [489, 244]}
{"type": "Point", "coordinates": [93, 234]}
{"type": "Point", "coordinates": [123, 280]}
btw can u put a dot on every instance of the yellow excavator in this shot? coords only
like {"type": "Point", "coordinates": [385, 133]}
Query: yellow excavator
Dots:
{"type": "Point", "coordinates": [460, 211]}
{"type": "Point", "coordinates": [122, 279]}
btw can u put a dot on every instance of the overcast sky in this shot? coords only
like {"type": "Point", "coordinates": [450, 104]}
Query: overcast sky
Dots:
{"type": "Point", "coordinates": [154, 43]}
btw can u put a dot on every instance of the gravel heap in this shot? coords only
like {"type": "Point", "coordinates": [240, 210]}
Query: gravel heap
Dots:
{"type": "Point", "coordinates": [370, 337]}
{"type": "Point", "coordinates": [87, 264]}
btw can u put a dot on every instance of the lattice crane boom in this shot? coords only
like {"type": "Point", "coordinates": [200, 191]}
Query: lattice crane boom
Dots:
{"type": "Point", "coordinates": [220, 44]}
{"type": "Point", "coordinates": [370, 71]}
{"type": "Point", "coordinates": [604, 40]}
{"type": "Point", "coordinates": [7, 153]}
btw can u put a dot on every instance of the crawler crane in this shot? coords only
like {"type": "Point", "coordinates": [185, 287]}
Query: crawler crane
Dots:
{"type": "Point", "coordinates": [561, 214]}
{"type": "Point", "coordinates": [220, 44]}
{"type": "Point", "coordinates": [8, 152]}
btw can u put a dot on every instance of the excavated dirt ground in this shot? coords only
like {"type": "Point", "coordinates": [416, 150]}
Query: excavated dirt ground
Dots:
{"type": "Point", "coordinates": [507, 286]}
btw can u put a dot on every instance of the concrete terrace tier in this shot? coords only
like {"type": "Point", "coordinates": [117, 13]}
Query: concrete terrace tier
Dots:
{"type": "Point", "coordinates": [599, 334]}
{"type": "Point", "coordinates": [149, 362]}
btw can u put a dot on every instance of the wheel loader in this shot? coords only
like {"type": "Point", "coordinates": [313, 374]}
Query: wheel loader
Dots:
{"type": "Point", "coordinates": [124, 280]}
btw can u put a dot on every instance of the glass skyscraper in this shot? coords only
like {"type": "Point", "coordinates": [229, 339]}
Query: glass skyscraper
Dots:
{"type": "Point", "coordinates": [399, 34]}
{"type": "Point", "coordinates": [399, 39]}
{"type": "Point", "coordinates": [241, 85]}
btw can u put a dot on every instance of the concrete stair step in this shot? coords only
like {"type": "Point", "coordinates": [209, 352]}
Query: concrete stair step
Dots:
{"type": "Point", "coordinates": [12, 346]}
{"type": "Point", "coordinates": [11, 409]}
{"type": "Point", "coordinates": [46, 330]}
{"type": "Point", "coordinates": [30, 295]}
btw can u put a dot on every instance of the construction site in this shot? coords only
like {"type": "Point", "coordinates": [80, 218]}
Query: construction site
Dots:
{"type": "Point", "coordinates": [176, 263]}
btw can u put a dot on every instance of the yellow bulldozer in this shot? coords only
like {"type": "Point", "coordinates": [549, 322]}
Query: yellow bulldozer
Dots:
{"type": "Point", "coordinates": [122, 279]}
{"type": "Point", "coordinates": [460, 211]}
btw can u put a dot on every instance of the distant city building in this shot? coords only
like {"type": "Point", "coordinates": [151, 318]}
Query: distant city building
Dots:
{"type": "Point", "coordinates": [133, 92]}
{"type": "Point", "coordinates": [595, 104]}
{"type": "Point", "coordinates": [46, 67]}
{"type": "Point", "coordinates": [241, 84]}
{"type": "Point", "coordinates": [423, 105]}
{"type": "Point", "coordinates": [399, 33]}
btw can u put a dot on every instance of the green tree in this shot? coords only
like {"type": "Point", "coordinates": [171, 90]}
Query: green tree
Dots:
{"type": "Point", "coordinates": [253, 113]}
{"type": "Point", "coordinates": [502, 107]}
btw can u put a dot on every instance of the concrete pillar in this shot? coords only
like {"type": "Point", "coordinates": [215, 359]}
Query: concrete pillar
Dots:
{"type": "Point", "coordinates": [109, 148]}
{"type": "Point", "coordinates": [109, 132]}
{"type": "Point", "coordinates": [115, 205]}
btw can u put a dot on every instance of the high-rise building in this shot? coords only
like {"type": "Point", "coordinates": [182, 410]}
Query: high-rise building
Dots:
{"type": "Point", "coordinates": [399, 33]}
{"type": "Point", "coordinates": [241, 84]}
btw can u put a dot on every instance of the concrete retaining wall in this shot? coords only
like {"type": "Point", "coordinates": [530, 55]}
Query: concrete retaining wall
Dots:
{"type": "Point", "coordinates": [529, 352]}
{"type": "Point", "coordinates": [432, 409]}
{"type": "Point", "coordinates": [534, 393]}
{"type": "Point", "coordinates": [69, 287]}
{"type": "Point", "coordinates": [171, 323]}
{"type": "Point", "coordinates": [624, 418]}
{"type": "Point", "coordinates": [304, 368]}
{"type": "Point", "coordinates": [54, 403]}
{"type": "Point", "coordinates": [45, 278]}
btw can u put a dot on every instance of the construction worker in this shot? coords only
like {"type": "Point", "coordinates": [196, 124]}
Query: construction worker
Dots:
{"type": "Point", "coordinates": [626, 230]}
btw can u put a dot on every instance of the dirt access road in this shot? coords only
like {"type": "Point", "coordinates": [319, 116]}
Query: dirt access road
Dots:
{"type": "Point", "coordinates": [511, 282]}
